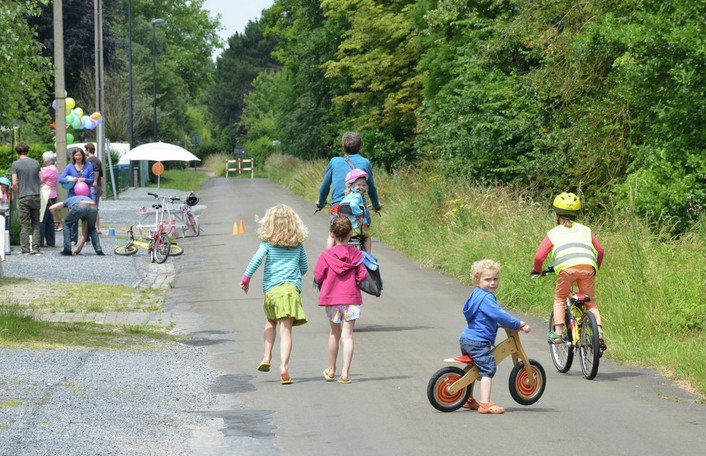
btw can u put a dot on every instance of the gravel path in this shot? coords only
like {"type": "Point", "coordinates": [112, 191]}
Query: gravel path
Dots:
{"type": "Point", "coordinates": [101, 402]}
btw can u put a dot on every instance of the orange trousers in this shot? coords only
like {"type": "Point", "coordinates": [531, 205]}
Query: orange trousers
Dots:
{"type": "Point", "coordinates": [582, 275]}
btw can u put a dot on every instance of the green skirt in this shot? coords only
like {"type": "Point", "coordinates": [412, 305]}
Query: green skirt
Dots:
{"type": "Point", "coordinates": [284, 301]}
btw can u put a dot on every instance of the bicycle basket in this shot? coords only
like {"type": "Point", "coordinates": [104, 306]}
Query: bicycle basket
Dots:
{"type": "Point", "coordinates": [192, 200]}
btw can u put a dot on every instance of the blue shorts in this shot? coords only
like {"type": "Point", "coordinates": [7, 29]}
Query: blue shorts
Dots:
{"type": "Point", "coordinates": [482, 355]}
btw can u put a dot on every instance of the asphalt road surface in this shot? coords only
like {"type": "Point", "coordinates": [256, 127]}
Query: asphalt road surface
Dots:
{"type": "Point", "coordinates": [400, 340]}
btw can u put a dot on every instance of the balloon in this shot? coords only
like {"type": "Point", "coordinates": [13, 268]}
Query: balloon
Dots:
{"type": "Point", "coordinates": [93, 124]}
{"type": "Point", "coordinates": [69, 119]}
{"type": "Point", "coordinates": [96, 116]}
{"type": "Point", "coordinates": [69, 138]}
{"type": "Point", "coordinates": [76, 124]}
{"type": "Point", "coordinates": [53, 105]}
{"type": "Point", "coordinates": [70, 103]}
{"type": "Point", "coordinates": [81, 189]}
{"type": "Point", "coordinates": [67, 185]}
{"type": "Point", "coordinates": [85, 122]}
{"type": "Point", "coordinates": [78, 112]}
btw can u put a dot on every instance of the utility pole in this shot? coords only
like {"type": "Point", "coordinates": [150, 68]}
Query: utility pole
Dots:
{"type": "Point", "coordinates": [59, 90]}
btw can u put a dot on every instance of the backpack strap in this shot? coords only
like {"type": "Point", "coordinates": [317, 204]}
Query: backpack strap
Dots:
{"type": "Point", "coordinates": [350, 163]}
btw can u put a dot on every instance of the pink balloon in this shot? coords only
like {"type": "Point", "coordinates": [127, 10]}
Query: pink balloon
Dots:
{"type": "Point", "coordinates": [81, 189]}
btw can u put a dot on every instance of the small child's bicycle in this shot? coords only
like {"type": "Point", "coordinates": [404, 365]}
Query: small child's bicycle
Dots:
{"type": "Point", "coordinates": [157, 255]}
{"type": "Point", "coordinates": [450, 387]}
{"type": "Point", "coordinates": [580, 332]}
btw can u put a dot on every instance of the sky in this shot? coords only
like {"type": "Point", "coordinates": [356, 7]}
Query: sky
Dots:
{"type": "Point", "coordinates": [235, 14]}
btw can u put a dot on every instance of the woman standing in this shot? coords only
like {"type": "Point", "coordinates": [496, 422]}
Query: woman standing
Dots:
{"type": "Point", "coordinates": [49, 176]}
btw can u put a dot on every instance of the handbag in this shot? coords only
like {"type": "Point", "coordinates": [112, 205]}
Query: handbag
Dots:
{"type": "Point", "coordinates": [372, 284]}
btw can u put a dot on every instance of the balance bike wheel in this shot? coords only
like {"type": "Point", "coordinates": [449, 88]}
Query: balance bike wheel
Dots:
{"type": "Point", "coordinates": [526, 390]}
{"type": "Point", "coordinates": [437, 389]}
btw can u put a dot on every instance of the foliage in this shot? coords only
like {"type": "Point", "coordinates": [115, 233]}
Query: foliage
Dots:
{"type": "Point", "coordinates": [24, 78]}
{"type": "Point", "coordinates": [247, 55]}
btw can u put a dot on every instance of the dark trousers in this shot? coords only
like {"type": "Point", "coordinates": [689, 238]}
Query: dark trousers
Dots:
{"type": "Point", "coordinates": [47, 231]}
{"type": "Point", "coordinates": [29, 222]}
{"type": "Point", "coordinates": [88, 215]}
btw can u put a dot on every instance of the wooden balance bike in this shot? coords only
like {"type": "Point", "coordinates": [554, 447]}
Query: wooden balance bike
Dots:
{"type": "Point", "coordinates": [450, 387]}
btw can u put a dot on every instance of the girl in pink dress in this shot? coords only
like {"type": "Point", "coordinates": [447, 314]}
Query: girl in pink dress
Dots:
{"type": "Point", "coordinates": [337, 272]}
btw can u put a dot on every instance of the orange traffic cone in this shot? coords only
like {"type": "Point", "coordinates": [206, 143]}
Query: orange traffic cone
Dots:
{"type": "Point", "coordinates": [241, 227]}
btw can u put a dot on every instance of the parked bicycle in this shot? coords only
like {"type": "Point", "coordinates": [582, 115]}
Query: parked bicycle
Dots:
{"type": "Point", "coordinates": [179, 221]}
{"type": "Point", "coordinates": [580, 332]}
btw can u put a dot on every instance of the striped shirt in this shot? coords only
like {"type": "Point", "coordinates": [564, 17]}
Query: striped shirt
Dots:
{"type": "Point", "coordinates": [282, 264]}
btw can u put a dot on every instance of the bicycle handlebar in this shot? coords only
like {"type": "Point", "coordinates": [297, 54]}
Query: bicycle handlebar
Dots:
{"type": "Point", "coordinates": [549, 270]}
{"type": "Point", "coordinates": [153, 194]}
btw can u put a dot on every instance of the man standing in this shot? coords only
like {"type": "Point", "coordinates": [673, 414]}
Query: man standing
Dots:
{"type": "Point", "coordinates": [97, 188]}
{"type": "Point", "coordinates": [25, 184]}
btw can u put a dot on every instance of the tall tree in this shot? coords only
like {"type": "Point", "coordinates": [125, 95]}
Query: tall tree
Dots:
{"type": "Point", "coordinates": [24, 78]}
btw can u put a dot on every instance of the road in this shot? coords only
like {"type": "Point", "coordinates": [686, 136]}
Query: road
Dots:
{"type": "Point", "coordinates": [400, 339]}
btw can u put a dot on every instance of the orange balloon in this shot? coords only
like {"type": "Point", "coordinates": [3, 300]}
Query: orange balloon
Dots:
{"type": "Point", "coordinates": [157, 168]}
{"type": "Point", "coordinates": [96, 116]}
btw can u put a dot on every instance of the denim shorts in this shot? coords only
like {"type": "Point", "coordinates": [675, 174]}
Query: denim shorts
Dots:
{"type": "Point", "coordinates": [482, 355]}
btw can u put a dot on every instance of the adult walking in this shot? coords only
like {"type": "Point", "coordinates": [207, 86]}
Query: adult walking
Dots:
{"type": "Point", "coordinates": [338, 167]}
{"type": "Point", "coordinates": [25, 184]}
{"type": "Point", "coordinates": [97, 187]}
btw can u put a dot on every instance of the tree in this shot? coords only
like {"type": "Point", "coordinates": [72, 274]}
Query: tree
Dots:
{"type": "Point", "coordinates": [24, 79]}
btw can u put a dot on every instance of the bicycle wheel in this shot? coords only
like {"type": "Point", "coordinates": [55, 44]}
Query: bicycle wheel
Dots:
{"type": "Point", "coordinates": [589, 350]}
{"type": "Point", "coordinates": [125, 250]}
{"type": "Point", "coordinates": [175, 250]}
{"type": "Point", "coordinates": [437, 389]}
{"type": "Point", "coordinates": [160, 248]}
{"type": "Point", "coordinates": [192, 224]}
{"type": "Point", "coordinates": [562, 354]}
{"type": "Point", "coordinates": [527, 390]}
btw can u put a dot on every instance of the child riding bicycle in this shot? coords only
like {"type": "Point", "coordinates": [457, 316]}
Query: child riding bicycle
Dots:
{"type": "Point", "coordinates": [577, 255]}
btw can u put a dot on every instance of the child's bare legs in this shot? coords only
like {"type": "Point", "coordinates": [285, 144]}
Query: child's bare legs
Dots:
{"type": "Point", "coordinates": [347, 340]}
{"type": "Point", "coordinates": [285, 343]}
{"type": "Point", "coordinates": [269, 335]}
{"type": "Point", "coordinates": [333, 339]}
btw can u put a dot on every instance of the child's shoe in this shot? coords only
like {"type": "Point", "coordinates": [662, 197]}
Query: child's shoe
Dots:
{"type": "Point", "coordinates": [490, 408]}
{"type": "Point", "coordinates": [471, 404]}
{"type": "Point", "coordinates": [554, 338]}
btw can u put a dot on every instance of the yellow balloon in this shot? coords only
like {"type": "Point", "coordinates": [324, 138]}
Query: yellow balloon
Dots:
{"type": "Point", "coordinates": [79, 112]}
{"type": "Point", "coordinates": [70, 103]}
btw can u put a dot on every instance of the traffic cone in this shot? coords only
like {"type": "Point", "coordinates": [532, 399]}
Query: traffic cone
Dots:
{"type": "Point", "coordinates": [241, 227]}
{"type": "Point", "coordinates": [235, 229]}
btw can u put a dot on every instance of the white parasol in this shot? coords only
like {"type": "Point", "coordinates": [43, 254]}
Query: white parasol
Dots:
{"type": "Point", "coordinates": [160, 151]}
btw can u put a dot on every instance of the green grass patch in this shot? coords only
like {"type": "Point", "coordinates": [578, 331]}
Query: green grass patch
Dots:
{"type": "Point", "coordinates": [649, 290]}
{"type": "Point", "coordinates": [19, 329]}
{"type": "Point", "coordinates": [186, 180]}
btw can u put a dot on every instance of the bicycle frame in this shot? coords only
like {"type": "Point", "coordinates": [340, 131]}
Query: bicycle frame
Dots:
{"type": "Point", "coordinates": [509, 347]}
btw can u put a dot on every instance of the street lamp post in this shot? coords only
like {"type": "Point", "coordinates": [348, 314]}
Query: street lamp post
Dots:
{"type": "Point", "coordinates": [154, 22]}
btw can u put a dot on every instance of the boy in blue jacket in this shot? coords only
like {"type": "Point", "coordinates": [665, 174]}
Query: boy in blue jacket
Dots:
{"type": "Point", "coordinates": [483, 315]}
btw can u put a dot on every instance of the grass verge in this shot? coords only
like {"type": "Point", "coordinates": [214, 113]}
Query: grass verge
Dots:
{"type": "Point", "coordinates": [649, 291]}
{"type": "Point", "coordinates": [186, 180]}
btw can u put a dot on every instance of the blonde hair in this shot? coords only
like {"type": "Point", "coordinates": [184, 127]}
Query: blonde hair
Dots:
{"type": "Point", "coordinates": [282, 227]}
{"type": "Point", "coordinates": [480, 266]}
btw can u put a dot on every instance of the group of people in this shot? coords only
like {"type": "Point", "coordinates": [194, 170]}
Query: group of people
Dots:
{"type": "Point", "coordinates": [36, 191]}
{"type": "Point", "coordinates": [576, 256]}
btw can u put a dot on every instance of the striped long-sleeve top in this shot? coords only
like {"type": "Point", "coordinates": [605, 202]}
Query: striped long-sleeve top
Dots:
{"type": "Point", "coordinates": [282, 264]}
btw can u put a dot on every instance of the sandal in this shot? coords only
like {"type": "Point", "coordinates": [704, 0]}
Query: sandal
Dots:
{"type": "Point", "coordinates": [471, 404]}
{"type": "Point", "coordinates": [327, 377]}
{"type": "Point", "coordinates": [344, 380]}
{"type": "Point", "coordinates": [555, 338]}
{"type": "Point", "coordinates": [490, 408]}
{"type": "Point", "coordinates": [264, 367]}
{"type": "Point", "coordinates": [286, 379]}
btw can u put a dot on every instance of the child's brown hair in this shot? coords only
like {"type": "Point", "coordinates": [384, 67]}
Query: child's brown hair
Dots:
{"type": "Point", "coordinates": [341, 227]}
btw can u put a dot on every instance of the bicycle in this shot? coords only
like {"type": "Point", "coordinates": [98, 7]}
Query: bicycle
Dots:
{"type": "Point", "coordinates": [450, 387]}
{"type": "Point", "coordinates": [580, 332]}
{"type": "Point", "coordinates": [181, 220]}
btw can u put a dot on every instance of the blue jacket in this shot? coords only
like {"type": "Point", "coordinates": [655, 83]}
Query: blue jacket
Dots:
{"type": "Point", "coordinates": [336, 171]}
{"type": "Point", "coordinates": [483, 315]}
{"type": "Point", "coordinates": [70, 170]}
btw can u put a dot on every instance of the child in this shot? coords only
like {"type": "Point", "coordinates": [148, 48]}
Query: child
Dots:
{"type": "Point", "coordinates": [4, 203]}
{"type": "Point", "coordinates": [354, 206]}
{"type": "Point", "coordinates": [483, 315]}
{"type": "Point", "coordinates": [577, 255]}
{"type": "Point", "coordinates": [337, 272]}
{"type": "Point", "coordinates": [282, 233]}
